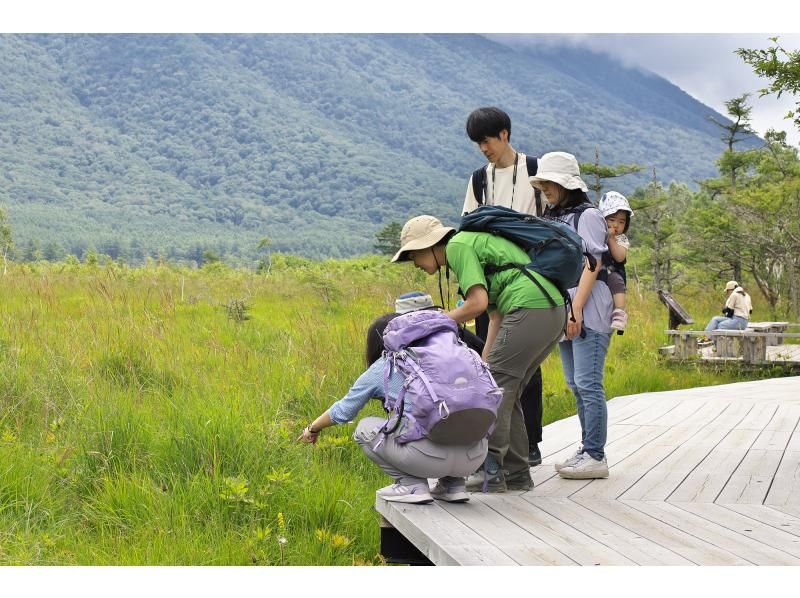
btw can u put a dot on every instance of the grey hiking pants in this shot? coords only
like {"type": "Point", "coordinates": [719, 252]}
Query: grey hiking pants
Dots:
{"type": "Point", "coordinates": [526, 337]}
{"type": "Point", "coordinates": [414, 462]}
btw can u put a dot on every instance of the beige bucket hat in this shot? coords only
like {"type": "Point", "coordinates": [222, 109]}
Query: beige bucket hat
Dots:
{"type": "Point", "coordinates": [420, 233]}
{"type": "Point", "coordinates": [561, 168]}
{"type": "Point", "coordinates": [731, 285]}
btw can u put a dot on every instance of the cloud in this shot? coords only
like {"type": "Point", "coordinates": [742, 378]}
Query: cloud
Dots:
{"type": "Point", "coordinates": [702, 64]}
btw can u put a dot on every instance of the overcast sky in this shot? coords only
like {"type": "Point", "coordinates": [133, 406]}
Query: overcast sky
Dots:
{"type": "Point", "coordinates": [702, 64]}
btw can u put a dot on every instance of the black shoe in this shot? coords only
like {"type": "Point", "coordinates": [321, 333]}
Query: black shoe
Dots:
{"type": "Point", "coordinates": [520, 480]}
{"type": "Point", "coordinates": [534, 456]}
{"type": "Point", "coordinates": [489, 478]}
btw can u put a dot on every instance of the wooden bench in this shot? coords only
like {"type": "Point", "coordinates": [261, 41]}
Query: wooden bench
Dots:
{"type": "Point", "coordinates": [749, 346]}
{"type": "Point", "coordinates": [777, 328]}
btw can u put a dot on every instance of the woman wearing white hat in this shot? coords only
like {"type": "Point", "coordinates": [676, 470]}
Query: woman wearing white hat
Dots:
{"type": "Point", "coordinates": [523, 328]}
{"type": "Point", "coordinates": [583, 351]}
{"type": "Point", "coordinates": [736, 313]}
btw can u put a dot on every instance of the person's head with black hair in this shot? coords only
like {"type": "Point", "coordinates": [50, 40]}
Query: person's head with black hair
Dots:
{"type": "Point", "coordinates": [375, 337]}
{"type": "Point", "coordinates": [488, 122]}
{"type": "Point", "coordinates": [490, 128]}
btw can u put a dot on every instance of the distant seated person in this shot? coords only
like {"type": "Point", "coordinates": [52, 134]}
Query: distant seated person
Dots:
{"type": "Point", "coordinates": [737, 310]}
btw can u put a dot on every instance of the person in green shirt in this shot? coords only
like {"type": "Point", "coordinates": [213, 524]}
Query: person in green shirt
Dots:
{"type": "Point", "coordinates": [523, 328]}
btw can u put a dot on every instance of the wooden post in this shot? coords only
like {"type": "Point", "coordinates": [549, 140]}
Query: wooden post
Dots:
{"type": "Point", "coordinates": [727, 346]}
{"type": "Point", "coordinates": [397, 549]}
{"type": "Point", "coordinates": [754, 349]}
{"type": "Point", "coordinates": [685, 346]}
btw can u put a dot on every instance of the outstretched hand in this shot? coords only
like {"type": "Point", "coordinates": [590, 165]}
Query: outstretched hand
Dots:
{"type": "Point", "coordinates": [308, 437]}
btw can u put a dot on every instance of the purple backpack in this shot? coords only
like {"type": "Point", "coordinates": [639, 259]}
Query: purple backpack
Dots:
{"type": "Point", "coordinates": [454, 396]}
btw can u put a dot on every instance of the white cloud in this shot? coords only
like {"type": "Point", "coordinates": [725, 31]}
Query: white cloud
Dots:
{"type": "Point", "coordinates": [702, 64]}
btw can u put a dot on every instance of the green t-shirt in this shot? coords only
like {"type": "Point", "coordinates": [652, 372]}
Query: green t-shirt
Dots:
{"type": "Point", "coordinates": [468, 253]}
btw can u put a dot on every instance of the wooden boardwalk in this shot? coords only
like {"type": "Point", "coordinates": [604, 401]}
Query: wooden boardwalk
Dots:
{"type": "Point", "coordinates": [705, 476]}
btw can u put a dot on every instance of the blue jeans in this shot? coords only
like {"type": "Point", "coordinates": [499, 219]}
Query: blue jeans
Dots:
{"type": "Point", "coordinates": [723, 323]}
{"type": "Point", "coordinates": [583, 360]}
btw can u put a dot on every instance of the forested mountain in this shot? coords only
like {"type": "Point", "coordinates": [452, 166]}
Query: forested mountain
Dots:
{"type": "Point", "coordinates": [140, 144]}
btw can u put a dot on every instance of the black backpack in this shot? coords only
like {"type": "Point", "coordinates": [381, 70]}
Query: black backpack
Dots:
{"type": "Point", "coordinates": [554, 248]}
{"type": "Point", "coordinates": [479, 182]}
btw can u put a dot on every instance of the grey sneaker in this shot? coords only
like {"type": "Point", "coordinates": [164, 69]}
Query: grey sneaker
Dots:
{"type": "Point", "coordinates": [417, 494]}
{"type": "Point", "coordinates": [450, 492]}
{"type": "Point", "coordinates": [585, 467]}
{"type": "Point", "coordinates": [558, 465]}
{"type": "Point", "coordinates": [520, 480]}
{"type": "Point", "coordinates": [489, 478]}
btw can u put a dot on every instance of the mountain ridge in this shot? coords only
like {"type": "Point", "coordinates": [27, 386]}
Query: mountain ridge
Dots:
{"type": "Point", "coordinates": [177, 143]}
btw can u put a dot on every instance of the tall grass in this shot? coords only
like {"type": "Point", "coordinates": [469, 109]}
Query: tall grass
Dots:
{"type": "Point", "coordinates": [140, 424]}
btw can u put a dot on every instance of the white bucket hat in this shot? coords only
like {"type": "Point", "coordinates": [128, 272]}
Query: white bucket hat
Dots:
{"type": "Point", "coordinates": [612, 202]}
{"type": "Point", "coordinates": [561, 168]}
{"type": "Point", "coordinates": [420, 233]}
{"type": "Point", "coordinates": [412, 302]}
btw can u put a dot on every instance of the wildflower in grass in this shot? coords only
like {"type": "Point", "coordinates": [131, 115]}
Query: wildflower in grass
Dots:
{"type": "Point", "coordinates": [277, 477]}
{"type": "Point", "coordinates": [8, 437]}
{"type": "Point", "coordinates": [282, 528]}
{"type": "Point", "coordinates": [336, 541]}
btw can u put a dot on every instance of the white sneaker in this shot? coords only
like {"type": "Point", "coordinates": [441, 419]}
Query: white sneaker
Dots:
{"type": "Point", "coordinates": [418, 494]}
{"type": "Point", "coordinates": [559, 465]}
{"type": "Point", "coordinates": [585, 467]}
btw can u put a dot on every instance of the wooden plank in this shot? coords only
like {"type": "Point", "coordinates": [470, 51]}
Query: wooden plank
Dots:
{"type": "Point", "coordinates": [751, 480]}
{"type": "Point", "coordinates": [689, 410]}
{"type": "Point", "coordinates": [729, 417]}
{"type": "Point", "coordinates": [758, 417]}
{"type": "Point", "coordinates": [711, 475]}
{"type": "Point", "coordinates": [564, 537]}
{"type": "Point", "coordinates": [785, 488]}
{"type": "Point", "coordinates": [746, 526]}
{"type": "Point", "coordinates": [440, 536]}
{"type": "Point", "coordinates": [637, 548]}
{"type": "Point", "coordinates": [784, 353]}
{"type": "Point", "coordinates": [648, 458]}
{"type": "Point", "coordinates": [660, 482]}
{"type": "Point", "coordinates": [518, 543]}
{"type": "Point", "coordinates": [647, 417]}
{"type": "Point", "coordinates": [786, 418]}
{"type": "Point", "coordinates": [747, 548]}
{"type": "Point", "coordinates": [694, 549]}
{"type": "Point", "coordinates": [782, 521]}
{"type": "Point", "coordinates": [792, 509]}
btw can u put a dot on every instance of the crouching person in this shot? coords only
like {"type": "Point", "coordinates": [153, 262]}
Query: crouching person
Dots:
{"type": "Point", "coordinates": [441, 402]}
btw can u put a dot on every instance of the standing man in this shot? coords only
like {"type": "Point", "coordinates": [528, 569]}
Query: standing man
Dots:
{"type": "Point", "coordinates": [504, 181]}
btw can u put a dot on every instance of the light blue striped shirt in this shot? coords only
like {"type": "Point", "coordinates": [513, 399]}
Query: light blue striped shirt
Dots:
{"type": "Point", "coordinates": [368, 386]}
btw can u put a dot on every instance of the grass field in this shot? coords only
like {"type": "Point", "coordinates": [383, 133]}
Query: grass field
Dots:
{"type": "Point", "coordinates": [144, 421]}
